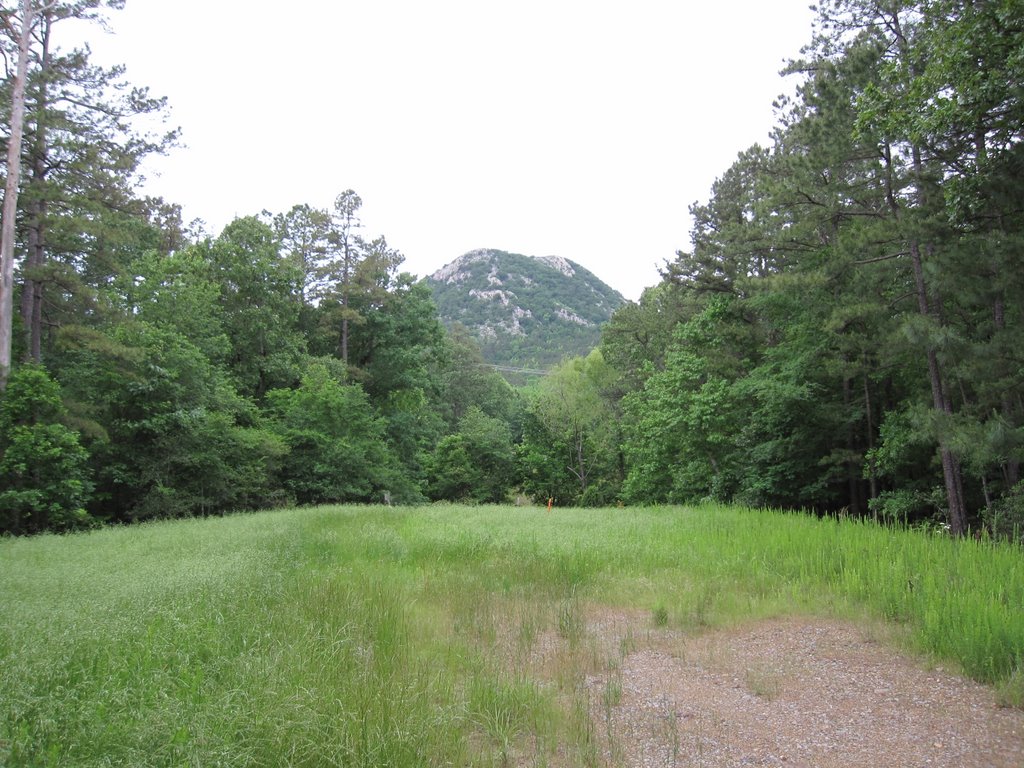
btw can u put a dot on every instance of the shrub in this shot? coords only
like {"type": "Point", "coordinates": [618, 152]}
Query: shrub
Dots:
{"type": "Point", "coordinates": [44, 484]}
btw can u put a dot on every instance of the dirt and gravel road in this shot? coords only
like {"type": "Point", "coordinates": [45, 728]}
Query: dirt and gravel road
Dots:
{"type": "Point", "coordinates": [788, 692]}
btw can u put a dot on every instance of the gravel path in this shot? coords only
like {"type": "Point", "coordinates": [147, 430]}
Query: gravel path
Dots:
{"type": "Point", "coordinates": [788, 692]}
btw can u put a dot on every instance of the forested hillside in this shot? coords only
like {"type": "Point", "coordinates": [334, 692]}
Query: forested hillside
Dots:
{"type": "Point", "coordinates": [527, 312]}
{"type": "Point", "coordinates": [840, 336]}
{"type": "Point", "coordinates": [843, 333]}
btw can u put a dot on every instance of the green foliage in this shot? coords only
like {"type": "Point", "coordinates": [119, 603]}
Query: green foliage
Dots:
{"type": "Point", "coordinates": [172, 437]}
{"type": "Point", "coordinates": [839, 335]}
{"type": "Point", "coordinates": [44, 480]}
{"type": "Point", "coordinates": [304, 234]}
{"type": "Point", "coordinates": [394, 354]}
{"type": "Point", "coordinates": [178, 291]}
{"type": "Point", "coordinates": [452, 473]}
{"type": "Point", "coordinates": [335, 439]}
{"type": "Point", "coordinates": [475, 464]}
{"type": "Point", "coordinates": [489, 442]}
{"type": "Point", "coordinates": [464, 380]}
{"type": "Point", "coordinates": [258, 306]}
{"type": "Point", "coordinates": [542, 466]}
{"type": "Point", "coordinates": [79, 220]}
{"type": "Point", "coordinates": [570, 447]}
{"type": "Point", "coordinates": [1005, 520]}
{"type": "Point", "coordinates": [681, 428]}
{"type": "Point", "coordinates": [637, 336]}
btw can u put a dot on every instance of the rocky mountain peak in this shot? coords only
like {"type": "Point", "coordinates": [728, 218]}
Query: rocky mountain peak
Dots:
{"type": "Point", "coordinates": [531, 311]}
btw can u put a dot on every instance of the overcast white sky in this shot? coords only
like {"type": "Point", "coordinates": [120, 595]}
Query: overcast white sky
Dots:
{"type": "Point", "coordinates": [579, 128]}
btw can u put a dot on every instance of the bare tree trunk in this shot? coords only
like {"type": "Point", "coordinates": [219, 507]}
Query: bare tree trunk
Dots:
{"type": "Point", "coordinates": [10, 207]}
{"type": "Point", "coordinates": [32, 288]}
{"type": "Point", "coordinates": [872, 476]}
{"type": "Point", "coordinates": [579, 465]}
{"type": "Point", "coordinates": [344, 335]}
{"type": "Point", "coordinates": [855, 491]}
{"type": "Point", "coordinates": [951, 473]}
{"type": "Point", "coordinates": [1011, 469]}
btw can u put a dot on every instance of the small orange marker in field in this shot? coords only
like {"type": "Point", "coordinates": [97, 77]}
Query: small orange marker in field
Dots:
{"type": "Point", "coordinates": [551, 501]}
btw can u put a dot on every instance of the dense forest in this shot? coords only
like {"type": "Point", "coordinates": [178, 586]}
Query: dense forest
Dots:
{"type": "Point", "coordinates": [842, 333]}
{"type": "Point", "coordinates": [839, 337]}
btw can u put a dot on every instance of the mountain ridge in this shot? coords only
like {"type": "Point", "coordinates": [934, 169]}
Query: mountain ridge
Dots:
{"type": "Point", "coordinates": [529, 311]}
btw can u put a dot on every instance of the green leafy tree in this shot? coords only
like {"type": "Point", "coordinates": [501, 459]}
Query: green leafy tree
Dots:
{"type": "Point", "coordinates": [945, 129]}
{"type": "Point", "coordinates": [464, 380]}
{"type": "Point", "coordinates": [636, 338]}
{"type": "Point", "coordinates": [304, 234]}
{"type": "Point", "coordinates": [81, 155]}
{"type": "Point", "coordinates": [574, 431]}
{"type": "Point", "coordinates": [168, 434]}
{"type": "Point", "coordinates": [394, 357]}
{"type": "Point", "coordinates": [258, 305]}
{"type": "Point", "coordinates": [681, 427]}
{"type": "Point", "coordinates": [337, 449]}
{"type": "Point", "coordinates": [475, 464]}
{"type": "Point", "coordinates": [340, 271]}
{"type": "Point", "coordinates": [451, 472]}
{"type": "Point", "coordinates": [179, 291]}
{"type": "Point", "coordinates": [542, 467]}
{"type": "Point", "coordinates": [399, 335]}
{"type": "Point", "coordinates": [44, 479]}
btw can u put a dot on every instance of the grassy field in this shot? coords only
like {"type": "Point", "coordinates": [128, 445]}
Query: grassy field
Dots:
{"type": "Point", "coordinates": [363, 636]}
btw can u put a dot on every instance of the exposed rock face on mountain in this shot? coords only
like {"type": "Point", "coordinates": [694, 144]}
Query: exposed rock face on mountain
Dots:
{"type": "Point", "coordinates": [526, 311]}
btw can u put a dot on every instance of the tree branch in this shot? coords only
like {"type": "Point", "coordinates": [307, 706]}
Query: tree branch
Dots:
{"type": "Point", "coordinates": [887, 257]}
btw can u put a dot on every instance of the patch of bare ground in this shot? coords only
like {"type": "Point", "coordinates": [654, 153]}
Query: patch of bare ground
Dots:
{"type": "Point", "coordinates": [785, 692]}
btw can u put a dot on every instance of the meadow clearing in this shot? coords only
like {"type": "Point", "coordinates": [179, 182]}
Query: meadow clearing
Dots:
{"type": "Point", "coordinates": [371, 636]}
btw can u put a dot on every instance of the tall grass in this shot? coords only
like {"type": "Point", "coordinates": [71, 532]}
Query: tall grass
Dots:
{"type": "Point", "coordinates": [365, 636]}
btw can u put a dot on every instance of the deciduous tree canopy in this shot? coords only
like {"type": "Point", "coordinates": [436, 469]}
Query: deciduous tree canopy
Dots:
{"type": "Point", "coordinates": [840, 336]}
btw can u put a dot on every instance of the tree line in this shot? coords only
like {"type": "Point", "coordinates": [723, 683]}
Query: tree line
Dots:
{"type": "Point", "coordinates": [840, 336]}
{"type": "Point", "coordinates": [152, 370]}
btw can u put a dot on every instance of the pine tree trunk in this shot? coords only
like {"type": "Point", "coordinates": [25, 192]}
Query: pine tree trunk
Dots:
{"type": "Point", "coordinates": [1011, 469]}
{"type": "Point", "coordinates": [941, 402]}
{"type": "Point", "coordinates": [10, 207]}
{"type": "Point", "coordinates": [344, 338]}
{"type": "Point", "coordinates": [855, 492]}
{"type": "Point", "coordinates": [32, 289]}
{"type": "Point", "coordinates": [951, 473]}
{"type": "Point", "coordinates": [872, 476]}
{"type": "Point", "coordinates": [35, 257]}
